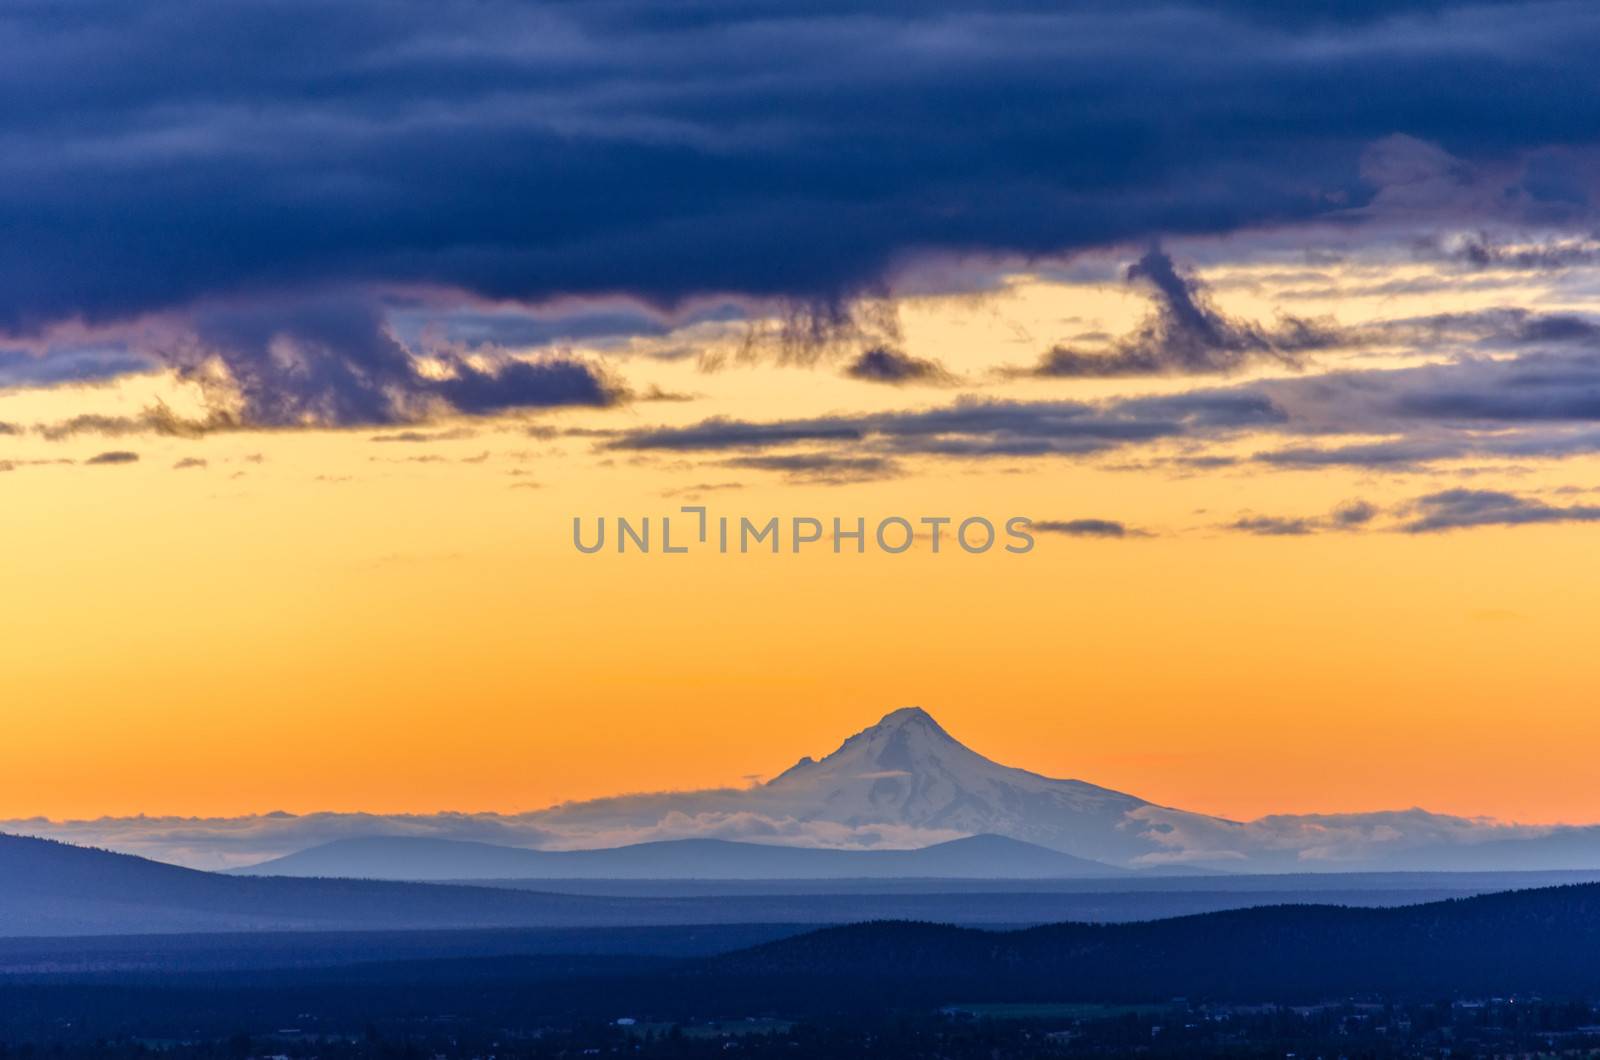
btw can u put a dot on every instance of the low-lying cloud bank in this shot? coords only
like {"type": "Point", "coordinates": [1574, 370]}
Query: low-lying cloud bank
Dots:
{"type": "Point", "coordinates": [1400, 840]}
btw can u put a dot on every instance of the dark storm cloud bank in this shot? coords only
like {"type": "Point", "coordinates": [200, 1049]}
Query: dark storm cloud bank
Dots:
{"type": "Point", "coordinates": [174, 151]}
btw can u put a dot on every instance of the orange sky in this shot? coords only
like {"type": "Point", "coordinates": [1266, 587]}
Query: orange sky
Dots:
{"type": "Point", "coordinates": [315, 621]}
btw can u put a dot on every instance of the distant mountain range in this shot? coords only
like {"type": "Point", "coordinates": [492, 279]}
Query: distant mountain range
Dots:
{"type": "Point", "coordinates": [900, 784]}
{"type": "Point", "coordinates": [53, 889]}
{"type": "Point", "coordinates": [416, 858]}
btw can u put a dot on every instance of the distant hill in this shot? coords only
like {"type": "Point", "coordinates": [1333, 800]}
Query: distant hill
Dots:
{"type": "Point", "coordinates": [53, 889]}
{"type": "Point", "coordinates": [50, 888]}
{"type": "Point", "coordinates": [1535, 941]}
{"type": "Point", "coordinates": [415, 858]}
{"type": "Point", "coordinates": [1523, 943]}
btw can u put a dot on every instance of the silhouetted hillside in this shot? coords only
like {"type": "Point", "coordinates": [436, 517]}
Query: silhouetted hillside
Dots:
{"type": "Point", "coordinates": [1519, 941]}
{"type": "Point", "coordinates": [49, 888]}
{"type": "Point", "coordinates": [1514, 944]}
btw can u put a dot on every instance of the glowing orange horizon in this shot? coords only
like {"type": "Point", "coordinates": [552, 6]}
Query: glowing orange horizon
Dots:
{"type": "Point", "coordinates": [315, 621]}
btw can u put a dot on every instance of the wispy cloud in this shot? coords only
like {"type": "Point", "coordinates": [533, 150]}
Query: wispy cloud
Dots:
{"type": "Point", "coordinates": [1462, 508]}
{"type": "Point", "coordinates": [1087, 528]}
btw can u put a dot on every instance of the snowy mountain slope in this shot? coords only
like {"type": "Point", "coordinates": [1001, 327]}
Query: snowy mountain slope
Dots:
{"type": "Point", "coordinates": [907, 770]}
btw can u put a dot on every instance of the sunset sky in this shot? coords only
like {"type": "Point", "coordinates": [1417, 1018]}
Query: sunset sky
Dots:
{"type": "Point", "coordinates": [312, 350]}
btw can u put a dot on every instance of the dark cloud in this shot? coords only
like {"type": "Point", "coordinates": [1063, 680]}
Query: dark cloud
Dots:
{"type": "Point", "coordinates": [722, 433]}
{"type": "Point", "coordinates": [1452, 509]}
{"type": "Point", "coordinates": [119, 456]}
{"type": "Point", "coordinates": [972, 427]}
{"type": "Point", "coordinates": [1272, 526]}
{"type": "Point", "coordinates": [334, 361]}
{"type": "Point", "coordinates": [1535, 405]}
{"type": "Point", "coordinates": [416, 437]}
{"type": "Point", "coordinates": [1536, 387]}
{"type": "Point", "coordinates": [1187, 335]}
{"type": "Point", "coordinates": [819, 467]}
{"type": "Point", "coordinates": [1542, 403]}
{"type": "Point", "coordinates": [188, 462]}
{"type": "Point", "coordinates": [56, 367]}
{"type": "Point", "coordinates": [1353, 513]}
{"type": "Point", "coordinates": [1350, 515]}
{"type": "Point", "coordinates": [1500, 326]}
{"type": "Point", "coordinates": [1461, 508]}
{"type": "Point", "coordinates": [517, 327]}
{"type": "Point", "coordinates": [652, 392]}
{"type": "Point", "coordinates": [884, 364]}
{"type": "Point", "coordinates": [469, 176]}
{"type": "Point", "coordinates": [1398, 455]}
{"type": "Point", "coordinates": [1482, 251]}
{"type": "Point", "coordinates": [514, 384]}
{"type": "Point", "coordinates": [1085, 527]}
{"type": "Point", "coordinates": [184, 156]}
{"type": "Point", "coordinates": [700, 489]}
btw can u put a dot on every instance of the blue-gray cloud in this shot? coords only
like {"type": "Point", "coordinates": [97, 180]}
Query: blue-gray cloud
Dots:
{"type": "Point", "coordinates": [884, 364]}
{"type": "Point", "coordinates": [1086, 527]}
{"type": "Point", "coordinates": [118, 456]}
{"type": "Point", "coordinates": [1273, 526]}
{"type": "Point", "coordinates": [972, 427]}
{"type": "Point", "coordinates": [1187, 335]}
{"type": "Point", "coordinates": [1462, 508]}
{"type": "Point", "coordinates": [193, 158]}
{"type": "Point", "coordinates": [825, 468]}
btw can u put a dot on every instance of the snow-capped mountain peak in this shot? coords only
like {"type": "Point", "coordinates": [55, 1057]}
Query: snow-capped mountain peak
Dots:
{"type": "Point", "coordinates": [903, 740]}
{"type": "Point", "coordinates": [908, 771]}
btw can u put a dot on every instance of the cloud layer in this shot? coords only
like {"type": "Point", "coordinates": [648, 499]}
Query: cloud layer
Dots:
{"type": "Point", "coordinates": [268, 179]}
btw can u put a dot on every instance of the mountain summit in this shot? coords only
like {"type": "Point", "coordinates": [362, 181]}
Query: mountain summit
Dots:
{"type": "Point", "coordinates": [908, 771]}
